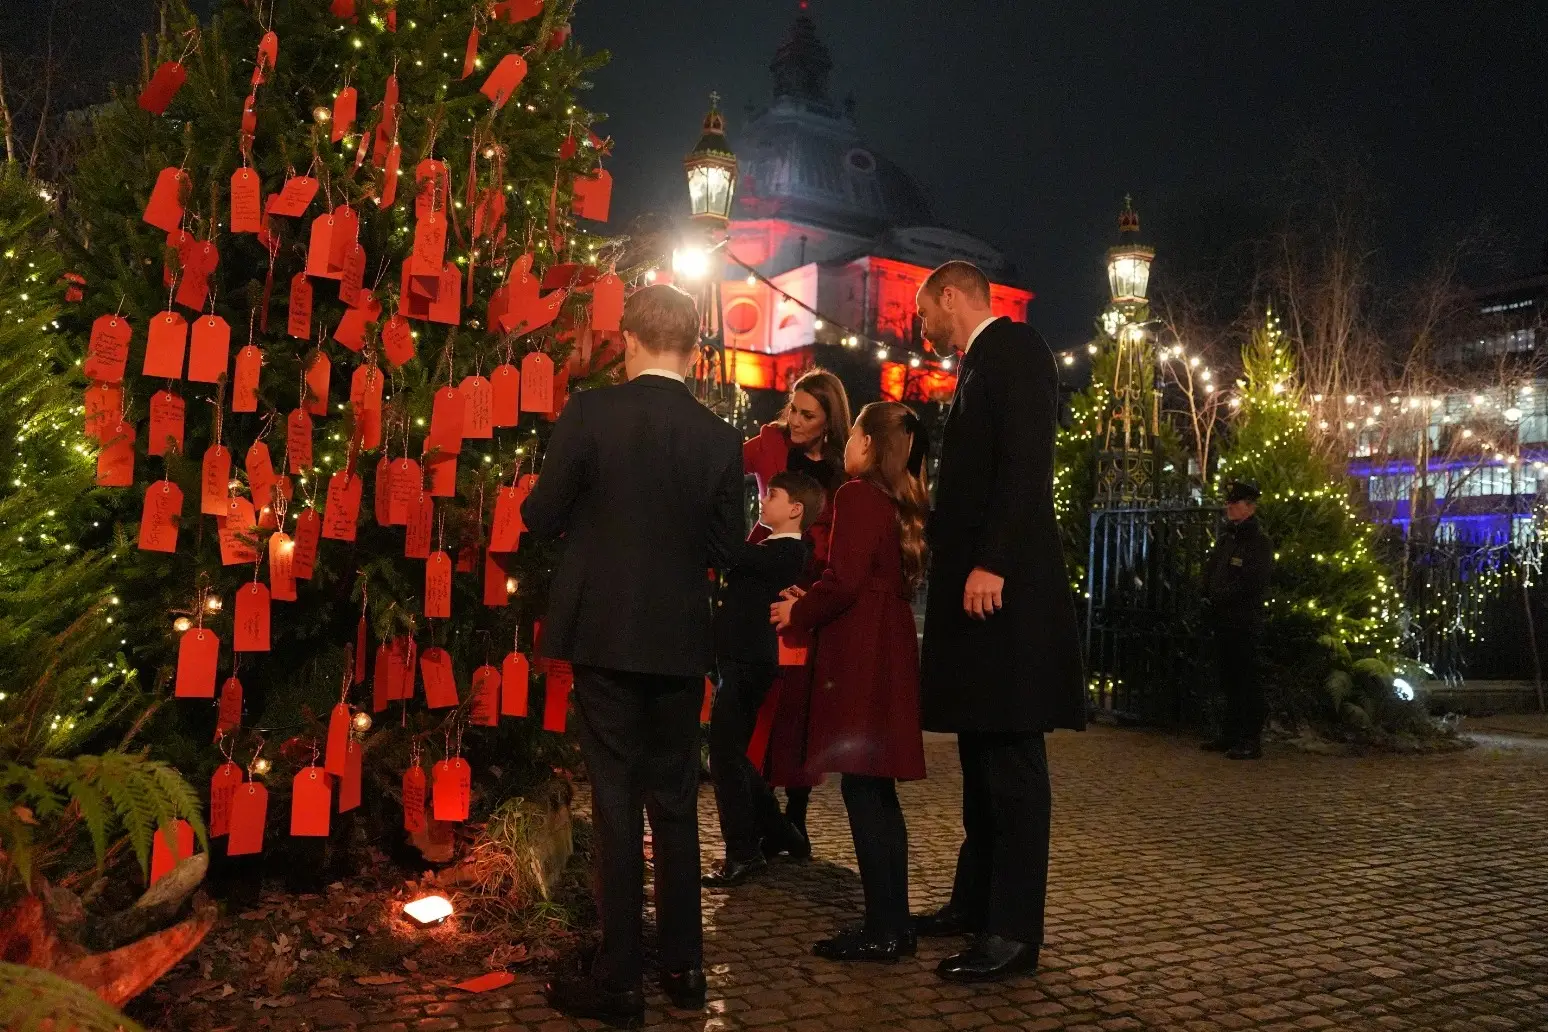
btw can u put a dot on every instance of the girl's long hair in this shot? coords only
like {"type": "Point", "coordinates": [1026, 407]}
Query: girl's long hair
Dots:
{"type": "Point", "coordinates": [834, 401]}
{"type": "Point", "coordinates": [898, 449]}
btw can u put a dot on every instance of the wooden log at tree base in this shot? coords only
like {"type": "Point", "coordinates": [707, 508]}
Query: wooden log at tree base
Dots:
{"type": "Point", "coordinates": [125, 973]}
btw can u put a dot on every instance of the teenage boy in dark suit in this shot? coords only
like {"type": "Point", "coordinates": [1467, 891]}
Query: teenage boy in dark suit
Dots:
{"type": "Point", "coordinates": [645, 485]}
{"type": "Point", "coordinates": [747, 654]}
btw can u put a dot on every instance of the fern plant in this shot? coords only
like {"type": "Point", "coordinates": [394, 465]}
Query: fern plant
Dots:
{"type": "Point", "coordinates": [32, 1000]}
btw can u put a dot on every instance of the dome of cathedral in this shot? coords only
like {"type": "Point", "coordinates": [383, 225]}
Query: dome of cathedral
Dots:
{"type": "Point", "coordinates": [803, 159]}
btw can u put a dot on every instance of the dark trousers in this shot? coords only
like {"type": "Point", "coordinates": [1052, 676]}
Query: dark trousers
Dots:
{"type": "Point", "coordinates": [639, 735]}
{"type": "Point", "coordinates": [748, 810]}
{"type": "Point", "coordinates": [1236, 663]}
{"type": "Point", "coordinates": [881, 847]}
{"type": "Point", "coordinates": [1002, 868]}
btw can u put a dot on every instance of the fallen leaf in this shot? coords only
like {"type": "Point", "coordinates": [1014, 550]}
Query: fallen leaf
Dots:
{"type": "Point", "coordinates": [411, 964]}
{"type": "Point", "coordinates": [484, 983]}
{"type": "Point", "coordinates": [253, 915]}
{"type": "Point", "coordinates": [383, 979]}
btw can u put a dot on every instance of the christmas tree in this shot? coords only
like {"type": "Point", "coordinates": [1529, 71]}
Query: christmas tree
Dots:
{"type": "Point", "coordinates": [1331, 637]}
{"type": "Point", "coordinates": [336, 290]}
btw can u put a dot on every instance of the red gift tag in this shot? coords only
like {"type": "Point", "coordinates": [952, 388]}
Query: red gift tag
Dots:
{"type": "Point", "coordinates": [304, 555]}
{"type": "Point", "coordinates": [505, 533]}
{"type": "Point", "coordinates": [607, 301]}
{"type": "Point", "coordinates": [414, 799]}
{"type": "Point", "coordinates": [421, 525]}
{"type": "Point", "coordinates": [298, 441]}
{"type": "Point", "coordinates": [260, 473]}
{"type": "Point", "coordinates": [537, 383]}
{"type": "Point", "coordinates": [594, 195]}
{"type": "Point", "coordinates": [311, 801]}
{"type": "Point", "coordinates": [429, 255]}
{"type": "Point", "coordinates": [244, 380]}
{"type": "Point", "coordinates": [214, 480]}
{"type": "Point", "coordinates": [163, 86]}
{"type": "Point", "coordinates": [441, 471]}
{"type": "Point", "coordinates": [365, 397]}
{"type": "Point", "coordinates": [199, 262]}
{"type": "Point", "coordinates": [165, 208]}
{"type": "Point", "coordinates": [360, 651]}
{"type": "Point", "coordinates": [405, 656]}
{"type": "Point", "coordinates": [514, 685]}
{"type": "Point", "coordinates": [438, 578]}
{"type": "Point", "coordinates": [223, 786]}
{"type": "Point", "coordinates": [447, 420]}
{"type": "Point", "coordinates": [406, 485]}
{"type": "Point", "coordinates": [447, 306]}
{"type": "Point", "coordinates": [470, 56]}
{"type": "Point", "coordinates": [209, 354]}
{"type": "Point", "coordinates": [345, 235]}
{"type": "Point", "coordinates": [390, 174]}
{"type": "Point", "coordinates": [198, 652]}
{"type": "Point", "coordinates": [351, 287]}
{"type": "Point", "coordinates": [351, 331]}
{"type": "Point", "coordinates": [502, 82]}
{"type": "Point", "coordinates": [568, 148]}
{"type": "Point", "coordinates": [344, 112]}
{"type": "Point", "coordinates": [381, 493]}
{"type": "Point", "coordinates": [556, 695]}
{"type": "Point", "coordinates": [319, 374]}
{"type": "Point", "coordinates": [453, 789]}
{"type": "Point", "coordinates": [435, 666]}
{"type": "Point", "coordinates": [343, 512]}
{"type": "Point", "coordinates": [467, 555]}
{"type": "Point", "coordinates": [165, 344]}
{"type": "Point", "coordinates": [298, 323]}
{"type": "Point", "coordinates": [338, 738]}
{"type": "Point", "coordinates": [160, 516]}
{"type": "Point", "coordinates": [319, 252]}
{"type": "Point", "coordinates": [238, 532]}
{"type": "Point", "coordinates": [515, 11]}
{"type": "Point", "coordinates": [229, 716]}
{"type": "Point", "coordinates": [107, 352]}
{"type": "Point", "coordinates": [249, 117]}
{"type": "Point", "coordinates": [249, 811]}
{"type": "Point", "coordinates": [246, 201]}
{"type": "Point", "coordinates": [349, 781]}
{"type": "Point", "coordinates": [411, 303]}
{"type": "Point", "coordinates": [282, 567]}
{"type": "Point", "coordinates": [166, 424]}
{"type": "Point", "coordinates": [477, 403]}
{"type": "Point", "coordinates": [104, 410]}
{"type": "Point", "coordinates": [496, 581]}
{"type": "Point", "coordinates": [164, 855]}
{"type": "Point", "coordinates": [486, 696]}
{"type": "Point", "coordinates": [505, 396]}
{"type": "Point", "coordinates": [758, 746]}
{"type": "Point", "coordinates": [251, 630]}
{"type": "Point", "coordinates": [294, 198]}
{"type": "Point", "coordinates": [115, 462]}
{"type": "Point", "coordinates": [268, 54]}
{"type": "Point", "coordinates": [397, 340]}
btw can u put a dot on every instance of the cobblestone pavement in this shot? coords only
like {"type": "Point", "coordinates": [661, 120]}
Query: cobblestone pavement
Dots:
{"type": "Point", "coordinates": [1187, 892]}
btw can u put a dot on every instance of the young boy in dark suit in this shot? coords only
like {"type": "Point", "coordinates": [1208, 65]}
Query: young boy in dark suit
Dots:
{"type": "Point", "coordinates": [747, 653]}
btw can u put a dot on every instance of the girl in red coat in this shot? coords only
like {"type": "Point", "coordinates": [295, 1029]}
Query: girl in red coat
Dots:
{"type": "Point", "coordinates": [864, 720]}
{"type": "Point", "coordinates": [809, 438]}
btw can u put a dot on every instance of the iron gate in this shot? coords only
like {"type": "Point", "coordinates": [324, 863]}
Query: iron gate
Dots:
{"type": "Point", "coordinates": [1145, 636]}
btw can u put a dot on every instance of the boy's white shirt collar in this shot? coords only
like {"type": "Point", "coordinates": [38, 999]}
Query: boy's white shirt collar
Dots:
{"type": "Point", "coordinates": [668, 373]}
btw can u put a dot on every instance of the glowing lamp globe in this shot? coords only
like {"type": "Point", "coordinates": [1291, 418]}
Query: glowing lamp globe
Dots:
{"type": "Point", "coordinates": [711, 168]}
{"type": "Point", "coordinates": [428, 910]}
{"type": "Point", "coordinates": [1128, 264]}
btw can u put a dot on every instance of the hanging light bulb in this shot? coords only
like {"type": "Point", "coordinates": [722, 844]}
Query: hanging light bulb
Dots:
{"type": "Point", "coordinates": [321, 115]}
{"type": "Point", "coordinates": [262, 766]}
{"type": "Point", "coordinates": [511, 585]}
{"type": "Point", "coordinates": [213, 604]}
{"type": "Point", "coordinates": [361, 721]}
{"type": "Point", "coordinates": [182, 624]}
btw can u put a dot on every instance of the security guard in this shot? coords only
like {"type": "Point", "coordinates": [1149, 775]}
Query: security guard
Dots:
{"type": "Point", "coordinates": [1235, 582]}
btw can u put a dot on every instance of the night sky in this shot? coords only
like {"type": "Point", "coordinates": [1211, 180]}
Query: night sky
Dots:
{"type": "Point", "coordinates": [1028, 122]}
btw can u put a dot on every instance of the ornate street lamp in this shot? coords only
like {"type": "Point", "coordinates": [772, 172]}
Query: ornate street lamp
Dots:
{"type": "Point", "coordinates": [711, 169]}
{"type": "Point", "coordinates": [1128, 264]}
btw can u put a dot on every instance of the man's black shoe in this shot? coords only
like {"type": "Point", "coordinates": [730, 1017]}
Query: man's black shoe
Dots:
{"type": "Point", "coordinates": [735, 872]}
{"type": "Point", "coordinates": [1217, 745]}
{"type": "Point", "coordinates": [908, 940]}
{"type": "Point", "coordinates": [789, 843]}
{"type": "Point", "coordinates": [856, 945]}
{"type": "Point", "coordinates": [945, 923]}
{"type": "Point", "coordinates": [582, 997]}
{"type": "Point", "coordinates": [990, 959]}
{"type": "Point", "coordinates": [686, 989]}
{"type": "Point", "coordinates": [1245, 751]}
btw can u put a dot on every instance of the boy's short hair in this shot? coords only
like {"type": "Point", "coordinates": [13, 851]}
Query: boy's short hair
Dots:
{"type": "Point", "coordinates": [664, 318]}
{"type": "Point", "coordinates": [799, 487]}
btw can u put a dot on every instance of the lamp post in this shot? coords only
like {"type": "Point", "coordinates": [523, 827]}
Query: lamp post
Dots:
{"type": "Point", "coordinates": [1126, 464]}
{"type": "Point", "coordinates": [711, 170]}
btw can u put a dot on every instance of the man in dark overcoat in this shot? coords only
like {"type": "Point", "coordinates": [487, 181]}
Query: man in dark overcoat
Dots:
{"type": "Point", "coordinates": [1001, 664]}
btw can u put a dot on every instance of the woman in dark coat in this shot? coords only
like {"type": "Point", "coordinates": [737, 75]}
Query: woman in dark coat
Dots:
{"type": "Point", "coordinates": [865, 684]}
{"type": "Point", "coordinates": [810, 439]}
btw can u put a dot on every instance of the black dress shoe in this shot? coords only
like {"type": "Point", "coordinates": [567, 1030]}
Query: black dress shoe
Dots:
{"type": "Point", "coordinates": [791, 842]}
{"type": "Point", "coordinates": [1245, 751]}
{"type": "Point", "coordinates": [735, 872]}
{"type": "Point", "coordinates": [686, 989]}
{"type": "Point", "coordinates": [1217, 745]}
{"type": "Point", "coordinates": [989, 959]}
{"type": "Point", "coordinates": [945, 923]}
{"type": "Point", "coordinates": [582, 997]}
{"type": "Point", "coordinates": [908, 940]}
{"type": "Point", "coordinates": [854, 944]}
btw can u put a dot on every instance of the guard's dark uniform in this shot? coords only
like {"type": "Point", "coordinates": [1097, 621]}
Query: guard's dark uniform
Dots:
{"type": "Point", "coordinates": [1235, 583]}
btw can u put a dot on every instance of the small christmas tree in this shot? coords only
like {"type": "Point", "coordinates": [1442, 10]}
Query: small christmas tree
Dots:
{"type": "Point", "coordinates": [336, 292]}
